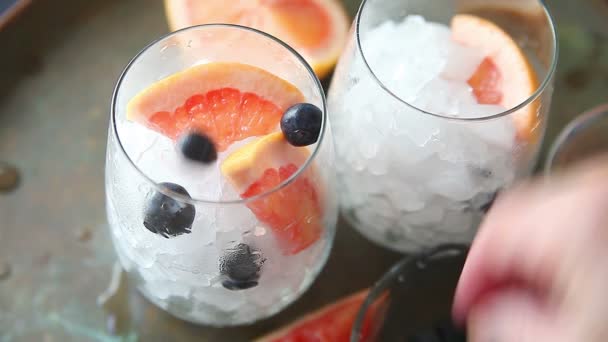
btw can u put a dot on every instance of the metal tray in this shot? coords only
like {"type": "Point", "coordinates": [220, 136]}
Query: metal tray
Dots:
{"type": "Point", "coordinates": [59, 61]}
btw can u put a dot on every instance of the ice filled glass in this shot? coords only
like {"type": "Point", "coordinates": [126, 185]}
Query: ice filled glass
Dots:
{"type": "Point", "coordinates": [437, 105]}
{"type": "Point", "coordinates": [583, 138]}
{"type": "Point", "coordinates": [219, 174]}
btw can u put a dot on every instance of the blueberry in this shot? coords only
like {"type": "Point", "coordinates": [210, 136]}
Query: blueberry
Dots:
{"type": "Point", "coordinates": [301, 124]}
{"type": "Point", "coordinates": [166, 216]}
{"type": "Point", "coordinates": [240, 267]}
{"type": "Point", "coordinates": [198, 147]}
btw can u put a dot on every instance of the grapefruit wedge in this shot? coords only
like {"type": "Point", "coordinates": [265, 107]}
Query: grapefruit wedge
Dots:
{"type": "Point", "coordinates": [226, 101]}
{"type": "Point", "coordinates": [505, 76]}
{"type": "Point", "coordinates": [332, 323]}
{"type": "Point", "coordinates": [294, 213]}
{"type": "Point", "coordinates": [317, 29]}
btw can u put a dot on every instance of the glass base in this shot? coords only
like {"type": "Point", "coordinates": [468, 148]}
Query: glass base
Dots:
{"type": "Point", "coordinates": [400, 238]}
{"type": "Point", "coordinates": [213, 311]}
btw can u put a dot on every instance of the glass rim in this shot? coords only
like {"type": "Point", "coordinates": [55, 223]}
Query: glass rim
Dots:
{"type": "Point", "coordinates": [379, 286]}
{"type": "Point", "coordinates": [572, 129]}
{"type": "Point", "coordinates": [539, 90]}
{"type": "Point", "coordinates": [185, 199]}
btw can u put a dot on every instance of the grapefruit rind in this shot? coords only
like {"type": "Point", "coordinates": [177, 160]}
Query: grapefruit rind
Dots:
{"type": "Point", "coordinates": [247, 164]}
{"type": "Point", "coordinates": [517, 81]}
{"type": "Point", "coordinates": [293, 211]}
{"type": "Point", "coordinates": [274, 17]}
{"type": "Point", "coordinates": [228, 102]}
{"type": "Point", "coordinates": [354, 300]}
{"type": "Point", "coordinates": [173, 91]}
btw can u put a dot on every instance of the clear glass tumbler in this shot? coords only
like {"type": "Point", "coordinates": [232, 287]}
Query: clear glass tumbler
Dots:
{"type": "Point", "coordinates": [584, 137]}
{"type": "Point", "coordinates": [241, 236]}
{"type": "Point", "coordinates": [436, 105]}
{"type": "Point", "coordinates": [413, 300]}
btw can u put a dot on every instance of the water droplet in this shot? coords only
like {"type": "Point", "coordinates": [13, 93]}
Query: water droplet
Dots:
{"type": "Point", "coordinates": [167, 47]}
{"type": "Point", "coordinates": [421, 264]}
{"type": "Point", "coordinates": [43, 260]}
{"type": "Point", "coordinates": [111, 324]}
{"type": "Point", "coordinates": [9, 177]}
{"type": "Point", "coordinates": [259, 231]}
{"type": "Point", "coordinates": [5, 270]}
{"type": "Point", "coordinates": [114, 301]}
{"type": "Point", "coordinates": [85, 234]}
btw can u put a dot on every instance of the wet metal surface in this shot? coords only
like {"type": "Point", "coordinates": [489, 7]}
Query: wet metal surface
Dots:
{"type": "Point", "coordinates": [9, 177]}
{"type": "Point", "coordinates": [58, 65]}
{"type": "Point", "coordinates": [5, 270]}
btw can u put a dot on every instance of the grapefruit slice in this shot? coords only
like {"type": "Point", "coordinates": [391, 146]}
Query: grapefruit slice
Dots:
{"type": "Point", "coordinates": [226, 101]}
{"type": "Point", "coordinates": [294, 212]}
{"type": "Point", "coordinates": [332, 323]}
{"type": "Point", "coordinates": [505, 76]}
{"type": "Point", "coordinates": [317, 29]}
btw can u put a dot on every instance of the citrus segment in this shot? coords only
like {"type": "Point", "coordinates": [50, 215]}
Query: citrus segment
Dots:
{"type": "Point", "coordinates": [505, 77]}
{"type": "Point", "coordinates": [226, 101]}
{"type": "Point", "coordinates": [295, 17]}
{"type": "Point", "coordinates": [294, 212]}
{"type": "Point", "coordinates": [332, 323]}
{"type": "Point", "coordinates": [317, 29]}
{"type": "Point", "coordinates": [486, 82]}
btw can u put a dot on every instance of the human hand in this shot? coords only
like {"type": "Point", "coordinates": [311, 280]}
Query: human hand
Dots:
{"type": "Point", "coordinates": [538, 268]}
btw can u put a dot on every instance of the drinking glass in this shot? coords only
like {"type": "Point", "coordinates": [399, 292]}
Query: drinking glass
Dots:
{"type": "Point", "coordinates": [417, 164]}
{"type": "Point", "coordinates": [412, 301]}
{"type": "Point", "coordinates": [237, 263]}
{"type": "Point", "coordinates": [584, 137]}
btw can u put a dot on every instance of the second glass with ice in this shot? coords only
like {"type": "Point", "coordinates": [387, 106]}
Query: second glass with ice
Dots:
{"type": "Point", "coordinates": [436, 106]}
{"type": "Point", "coordinates": [219, 174]}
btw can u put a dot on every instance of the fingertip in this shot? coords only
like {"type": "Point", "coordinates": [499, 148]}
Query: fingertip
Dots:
{"type": "Point", "coordinates": [461, 301]}
{"type": "Point", "coordinates": [512, 314]}
{"type": "Point", "coordinates": [469, 285]}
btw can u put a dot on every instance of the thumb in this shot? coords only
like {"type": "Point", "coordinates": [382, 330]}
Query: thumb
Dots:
{"type": "Point", "coordinates": [512, 315]}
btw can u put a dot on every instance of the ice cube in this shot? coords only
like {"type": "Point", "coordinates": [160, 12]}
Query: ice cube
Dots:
{"type": "Point", "coordinates": [442, 96]}
{"type": "Point", "coordinates": [276, 268]}
{"type": "Point", "coordinates": [499, 132]}
{"type": "Point", "coordinates": [163, 289]}
{"type": "Point", "coordinates": [418, 61]}
{"type": "Point", "coordinates": [431, 214]}
{"type": "Point", "coordinates": [418, 128]}
{"type": "Point", "coordinates": [403, 195]}
{"type": "Point", "coordinates": [221, 298]}
{"type": "Point", "coordinates": [379, 165]}
{"type": "Point", "coordinates": [181, 268]}
{"type": "Point", "coordinates": [458, 221]}
{"type": "Point", "coordinates": [227, 239]}
{"type": "Point", "coordinates": [159, 159]}
{"type": "Point", "coordinates": [235, 217]}
{"type": "Point", "coordinates": [452, 181]}
{"type": "Point", "coordinates": [462, 62]}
